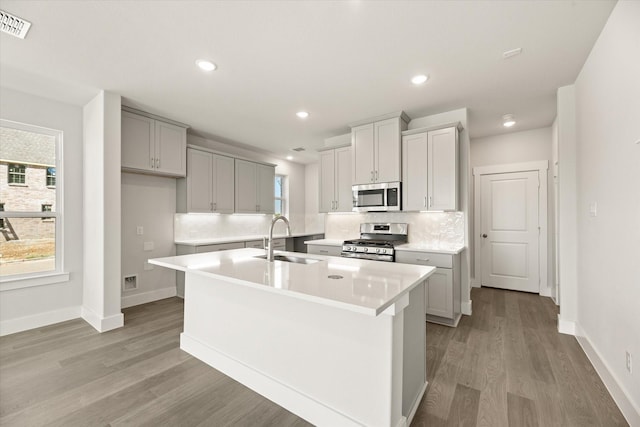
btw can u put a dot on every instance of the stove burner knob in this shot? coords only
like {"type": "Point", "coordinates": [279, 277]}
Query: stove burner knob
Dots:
{"type": "Point", "coordinates": [379, 250]}
{"type": "Point", "coordinates": [366, 250]}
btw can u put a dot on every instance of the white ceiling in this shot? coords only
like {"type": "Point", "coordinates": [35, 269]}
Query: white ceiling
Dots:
{"type": "Point", "coordinates": [340, 60]}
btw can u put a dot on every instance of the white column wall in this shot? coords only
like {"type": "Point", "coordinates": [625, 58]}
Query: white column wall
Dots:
{"type": "Point", "coordinates": [101, 278]}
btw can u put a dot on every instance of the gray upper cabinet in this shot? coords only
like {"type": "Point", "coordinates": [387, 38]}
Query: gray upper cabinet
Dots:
{"type": "Point", "coordinates": [335, 180]}
{"type": "Point", "coordinates": [376, 149]}
{"type": "Point", "coordinates": [209, 183]}
{"type": "Point", "coordinates": [153, 146]}
{"type": "Point", "coordinates": [254, 187]}
{"type": "Point", "coordinates": [430, 169]}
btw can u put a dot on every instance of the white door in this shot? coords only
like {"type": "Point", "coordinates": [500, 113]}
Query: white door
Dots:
{"type": "Point", "coordinates": [509, 231]}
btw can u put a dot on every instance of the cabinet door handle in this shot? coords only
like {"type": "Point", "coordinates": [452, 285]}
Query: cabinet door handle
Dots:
{"type": "Point", "coordinates": [323, 252]}
{"type": "Point", "coordinates": [211, 206]}
{"type": "Point", "coordinates": [371, 178]}
{"type": "Point", "coordinates": [429, 201]}
{"type": "Point", "coordinates": [376, 176]}
{"type": "Point", "coordinates": [215, 206]}
{"type": "Point", "coordinates": [153, 162]}
{"type": "Point", "coordinates": [422, 259]}
{"type": "Point", "coordinates": [157, 163]}
{"type": "Point", "coordinates": [425, 201]}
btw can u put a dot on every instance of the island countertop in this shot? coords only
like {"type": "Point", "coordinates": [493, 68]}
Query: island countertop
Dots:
{"type": "Point", "coordinates": [363, 286]}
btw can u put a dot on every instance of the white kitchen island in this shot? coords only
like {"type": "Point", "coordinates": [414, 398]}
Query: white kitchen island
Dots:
{"type": "Point", "coordinates": [339, 342]}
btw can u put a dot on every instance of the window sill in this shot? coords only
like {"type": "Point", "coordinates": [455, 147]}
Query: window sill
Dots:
{"type": "Point", "coordinates": [15, 184]}
{"type": "Point", "coordinates": [49, 278]}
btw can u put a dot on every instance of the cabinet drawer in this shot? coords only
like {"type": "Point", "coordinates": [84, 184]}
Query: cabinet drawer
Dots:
{"type": "Point", "coordinates": [324, 250]}
{"type": "Point", "coordinates": [425, 258]}
{"type": "Point", "coordinates": [256, 244]}
{"type": "Point", "coordinates": [219, 247]}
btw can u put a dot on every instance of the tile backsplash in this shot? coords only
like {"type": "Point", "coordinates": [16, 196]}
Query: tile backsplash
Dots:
{"type": "Point", "coordinates": [444, 228]}
{"type": "Point", "coordinates": [210, 226]}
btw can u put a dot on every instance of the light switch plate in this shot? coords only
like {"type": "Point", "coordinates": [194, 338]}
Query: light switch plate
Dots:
{"type": "Point", "coordinates": [139, 230]}
{"type": "Point", "coordinates": [148, 246]}
{"type": "Point", "coordinates": [593, 209]}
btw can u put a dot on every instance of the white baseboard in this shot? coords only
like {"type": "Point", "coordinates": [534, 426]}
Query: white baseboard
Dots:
{"type": "Point", "coordinates": [475, 283]}
{"type": "Point", "coordinates": [416, 404]}
{"type": "Point", "coordinates": [102, 324]}
{"type": "Point", "coordinates": [466, 307]}
{"type": "Point", "coordinates": [545, 292]}
{"type": "Point", "coordinates": [145, 297]}
{"type": "Point", "coordinates": [11, 326]}
{"type": "Point", "coordinates": [629, 409]}
{"type": "Point", "coordinates": [300, 404]}
{"type": "Point", "coordinates": [566, 326]}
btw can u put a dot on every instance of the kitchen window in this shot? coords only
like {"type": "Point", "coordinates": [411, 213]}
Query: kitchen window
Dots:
{"type": "Point", "coordinates": [32, 220]}
{"type": "Point", "coordinates": [280, 201]}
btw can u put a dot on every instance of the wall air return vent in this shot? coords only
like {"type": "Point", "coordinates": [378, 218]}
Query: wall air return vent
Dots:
{"type": "Point", "coordinates": [13, 25]}
{"type": "Point", "coordinates": [298, 149]}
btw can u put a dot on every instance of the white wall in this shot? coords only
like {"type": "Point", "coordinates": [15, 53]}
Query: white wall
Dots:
{"type": "Point", "coordinates": [517, 147]}
{"type": "Point", "coordinates": [150, 202]}
{"type": "Point", "coordinates": [101, 190]}
{"type": "Point", "coordinates": [607, 94]}
{"type": "Point", "coordinates": [37, 306]}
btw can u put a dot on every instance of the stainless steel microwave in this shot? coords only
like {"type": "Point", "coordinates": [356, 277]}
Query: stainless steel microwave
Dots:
{"type": "Point", "coordinates": [381, 197]}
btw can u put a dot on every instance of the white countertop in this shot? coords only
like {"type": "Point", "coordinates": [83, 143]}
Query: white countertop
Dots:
{"type": "Point", "coordinates": [367, 287]}
{"type": "Point", "coordinates": [442, 248]}
{"type": "Point", "coordinates": [233, 239]}
{"type": "Point", "coordinates": [325, 242]}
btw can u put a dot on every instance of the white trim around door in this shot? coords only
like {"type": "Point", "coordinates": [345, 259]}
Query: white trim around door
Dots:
{"type": "Point", "coordinates": [539, 166]}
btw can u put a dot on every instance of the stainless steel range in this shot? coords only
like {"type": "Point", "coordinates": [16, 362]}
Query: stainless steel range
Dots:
{"type": "Point", "coordinates": [376, 241]}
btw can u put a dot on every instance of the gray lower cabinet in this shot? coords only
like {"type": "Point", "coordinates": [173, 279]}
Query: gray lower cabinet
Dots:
{"type": "Point", "coordinates": [188, 249]}
{"type": "Point", "coordinates": [324, 250]}
{"type": "Point", "coordinates": [442, 292]}
{"type": "Point", "coordinates": [278, 244]}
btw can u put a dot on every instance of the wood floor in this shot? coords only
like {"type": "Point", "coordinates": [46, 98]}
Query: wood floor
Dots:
{"type": "Point", "coordinates": [508, 366]}
{"type": "Point", "coordinates": [505, 365]}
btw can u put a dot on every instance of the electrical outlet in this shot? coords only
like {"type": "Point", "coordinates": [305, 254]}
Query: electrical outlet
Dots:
{"type": "Point", "coordinates": [629, 362]}
{"type": "Point", "coordinates": [148, 246]}
{"type": "Point", "coordinates": [139, 230]}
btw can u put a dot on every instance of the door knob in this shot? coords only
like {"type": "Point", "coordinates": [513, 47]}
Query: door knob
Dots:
{"type": "Point", "coordinates": [484, 235]}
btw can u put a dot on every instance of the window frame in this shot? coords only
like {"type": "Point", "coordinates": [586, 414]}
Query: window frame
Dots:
{"type": "Point", "coordinates": [282, 198]}
{"type": "Point", "coordinates": [50, 276]}
{"type": "Point", "coordinates": [17, 174]}
{"type": "Point", "coordinates": [49, 177]}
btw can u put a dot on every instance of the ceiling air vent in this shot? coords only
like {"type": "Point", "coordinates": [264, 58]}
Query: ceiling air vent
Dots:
{"type": "Point", "coordinates": [13, 25]}
{"type": "Point", "coordinates": [299, 149]}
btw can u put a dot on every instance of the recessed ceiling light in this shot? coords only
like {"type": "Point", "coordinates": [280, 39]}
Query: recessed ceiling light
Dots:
{"type": "Point", "coordinates": [419, 79]}
{"type": "Point", "coordinates": [508, 120]}
{"type": "Point", "coordinates": [289, 157]}
{"type": "Point", "coordinates": [302, 114]}
{"type": "Point", "coordinates": [206, 65]}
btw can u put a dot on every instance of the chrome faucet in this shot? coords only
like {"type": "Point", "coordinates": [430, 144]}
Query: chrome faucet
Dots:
{"type": "Point", "coordinates": [269, 248]}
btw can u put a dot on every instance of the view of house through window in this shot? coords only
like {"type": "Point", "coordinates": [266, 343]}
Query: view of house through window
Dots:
{"type": "Point", "coordinates": [29, 218]}
{"type": "Point", "coordinates": [280, 196]}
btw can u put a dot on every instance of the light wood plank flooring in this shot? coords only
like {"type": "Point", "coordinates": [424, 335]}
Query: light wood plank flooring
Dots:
{"type": "Point", "coordinates": [505, 365]}
{"type": "Point", "coordinates": [70, 375]}
{"type": "Point", "coordinates": [508, 366]}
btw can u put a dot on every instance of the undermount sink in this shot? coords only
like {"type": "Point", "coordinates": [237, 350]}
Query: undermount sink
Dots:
{"type": "Point", "coordinates": [288, 258]}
